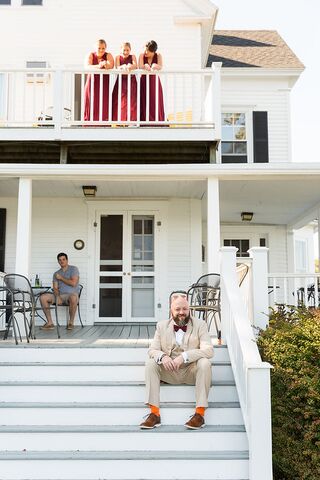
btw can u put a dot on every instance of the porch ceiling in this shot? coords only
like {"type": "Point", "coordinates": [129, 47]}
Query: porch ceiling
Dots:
{"type": "Point", "coordinates": [272, 200]}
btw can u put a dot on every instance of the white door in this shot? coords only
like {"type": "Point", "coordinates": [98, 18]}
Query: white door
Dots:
{"type": "Point", "coordinates": [127, 267]}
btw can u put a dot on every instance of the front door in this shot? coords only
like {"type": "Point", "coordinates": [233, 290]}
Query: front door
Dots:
{"type": "Point", "coordinates": [127, 267]}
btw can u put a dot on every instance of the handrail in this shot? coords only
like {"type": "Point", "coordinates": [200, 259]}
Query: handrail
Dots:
{"type": "Point", "coordinates": [252, 375]}
{"type": "Point", "coordinates": [71, 97]}
{"type": "Point", "coordinates": [294, 289]}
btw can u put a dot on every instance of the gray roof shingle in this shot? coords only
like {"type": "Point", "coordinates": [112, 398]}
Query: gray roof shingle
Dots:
{"type": "Point", "coordinates": [251, 48]}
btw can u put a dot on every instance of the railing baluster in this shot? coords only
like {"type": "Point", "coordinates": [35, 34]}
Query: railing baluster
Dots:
{"type": "Point", "coordinates": [157, 80]}
{"type": "Point", "coordinates": [92, 80]}
{"type": "Point", "coordinates": [82, 85]}
{"type": "Point", "coordinates": [129, 76]}
{"type": "Point", "coordinates": [148, 80]}
{"type": "Point", "coordinates": [119, 97]}
{"type": "Point", "coordinates": [101, 93]}
{"type": "Point", "coordinates": [138, 98]}
{"type": "Point", "coordinates": [109, 97]}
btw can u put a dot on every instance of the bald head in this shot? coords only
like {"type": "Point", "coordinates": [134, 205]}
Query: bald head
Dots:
{"type": "Point", "coordinates": [180, 310]}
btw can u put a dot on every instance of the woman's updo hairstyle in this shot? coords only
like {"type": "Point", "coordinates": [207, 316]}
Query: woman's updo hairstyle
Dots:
{"type": "Point", "coordinates": [152, 46]}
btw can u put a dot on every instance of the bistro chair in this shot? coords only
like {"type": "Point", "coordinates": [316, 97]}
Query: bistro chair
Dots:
{"type": "Point", "coordinates": [204, 299]}
{"type": "Point", "coordinates": [23, 301]}
{"type": "Point", "coordinates": [242, 269]}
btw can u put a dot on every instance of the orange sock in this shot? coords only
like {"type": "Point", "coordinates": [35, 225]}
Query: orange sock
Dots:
{"type": "Point", "coordinates": [200, 410]}
{"type": "Point", "coordinates": [155, 410]}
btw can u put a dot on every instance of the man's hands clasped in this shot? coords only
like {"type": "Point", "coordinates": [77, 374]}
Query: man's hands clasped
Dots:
{"type": "Point", "coordinates": [172, 365]}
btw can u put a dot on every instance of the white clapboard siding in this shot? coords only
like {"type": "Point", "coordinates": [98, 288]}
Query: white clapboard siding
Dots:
{"type": "Point", "coordinates": [81, 23]}
{"type": "Point", "coordinates": [263, 95]}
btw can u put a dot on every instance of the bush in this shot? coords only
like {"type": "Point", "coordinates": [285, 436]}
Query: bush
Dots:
{"type": "Point", "coordinates": [292, 345]}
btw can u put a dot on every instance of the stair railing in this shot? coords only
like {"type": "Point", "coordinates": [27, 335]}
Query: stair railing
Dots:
{"type": "Point", "coordinates": [252, 376]}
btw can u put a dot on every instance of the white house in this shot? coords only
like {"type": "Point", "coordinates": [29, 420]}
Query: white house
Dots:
{"type": "Point", "coordinates": [167, 196]}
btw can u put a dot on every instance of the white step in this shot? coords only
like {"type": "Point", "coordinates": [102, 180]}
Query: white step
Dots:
{"type": "Point", "coordinates": [83, 371]}
{"type": "Point", "coordinates": [113, 438]}
{"type": "Point", "coordinates": [24, 353]}
{"type": "Point", "coordinates": [167, 465]}
{"type": "Point", "coordinates": [220, 413]}
{"type": "Point", "coordinates": [107, 392]}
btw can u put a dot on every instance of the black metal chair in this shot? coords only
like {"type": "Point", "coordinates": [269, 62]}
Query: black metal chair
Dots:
{"type": "Point", "coordinates": [22, 301]}
{"type": "Point", "coordinates": [204, 298]}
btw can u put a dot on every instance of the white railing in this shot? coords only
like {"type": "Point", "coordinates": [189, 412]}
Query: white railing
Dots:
{"type": "Point", "coordinates": [299, 289]}
{"type": "Point", "coordinates": [252, 376]}
{"type": "Point", "coordinates": [62, 98]}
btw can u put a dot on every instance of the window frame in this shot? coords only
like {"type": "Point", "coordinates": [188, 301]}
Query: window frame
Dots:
{"type": "Point", "coordinates": [247, 111]}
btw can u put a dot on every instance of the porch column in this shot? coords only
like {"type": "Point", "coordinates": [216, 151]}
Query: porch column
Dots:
{"type": "Point", "coordinates": [23, 245]}
{"type": "Point", "coordinates": [259, 277]}
{"type": "Point", "coordinates": [290, 251]}
{"type": "Point", "coordinates": [213, 226]}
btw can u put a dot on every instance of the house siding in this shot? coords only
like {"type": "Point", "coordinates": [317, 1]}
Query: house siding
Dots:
{"type": "Point", "coordinates": [263, 95]}
{"type": "Point", "coordinates": [75, 25]}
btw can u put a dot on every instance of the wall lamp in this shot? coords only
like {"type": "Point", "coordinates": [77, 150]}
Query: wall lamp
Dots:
{"type": "Point", "coordinates": [246, 216]}
{"type": "Point", "coordinates": [89, 190]}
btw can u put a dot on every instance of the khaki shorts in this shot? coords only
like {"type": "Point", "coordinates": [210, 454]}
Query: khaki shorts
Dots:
{"type": "Point", "coordinates": [63, 298]}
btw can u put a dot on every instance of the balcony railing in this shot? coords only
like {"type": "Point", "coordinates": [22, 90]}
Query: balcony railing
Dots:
{"type": "Point", "coordinates": [61, 99]}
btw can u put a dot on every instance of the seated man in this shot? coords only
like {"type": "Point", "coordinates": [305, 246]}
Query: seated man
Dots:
{"type": "Point", "coordinates": [179, 353]}
{"type": "Point", "coordinates": [66, 291]}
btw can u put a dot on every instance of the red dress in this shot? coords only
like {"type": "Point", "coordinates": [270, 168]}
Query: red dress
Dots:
{"type": "Point", "coordinates": [96, 93]}
{"type": "Point", "coordinates": [152, 95]}
{"type": "Point", "coordinates": [124, 95]}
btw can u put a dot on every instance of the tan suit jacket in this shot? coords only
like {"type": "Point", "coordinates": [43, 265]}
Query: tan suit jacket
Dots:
{"type": "Point", "coordinates": [196, 340]}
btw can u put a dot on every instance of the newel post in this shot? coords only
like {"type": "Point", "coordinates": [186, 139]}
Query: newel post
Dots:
{"type": "Point", "coordinates": [259, 283]}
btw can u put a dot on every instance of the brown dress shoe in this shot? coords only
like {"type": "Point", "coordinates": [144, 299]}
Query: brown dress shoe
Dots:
{"type": "Point", "coordinates": [152, 421]}
{"type": "Point", "coordinates": [195, 422]}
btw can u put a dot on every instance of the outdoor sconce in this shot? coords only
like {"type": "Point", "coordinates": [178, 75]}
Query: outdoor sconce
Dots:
{"type": "Point", "coordinates": [89, 190]}
{"type": "Point", "coordinates": [246, 216]}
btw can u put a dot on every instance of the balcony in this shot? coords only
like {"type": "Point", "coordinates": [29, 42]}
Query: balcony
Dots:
{"type": "Point", "coordinates": [49, 105]}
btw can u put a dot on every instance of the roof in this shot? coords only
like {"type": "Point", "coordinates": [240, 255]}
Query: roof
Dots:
{"type": "Point", "coordinates": [251, 48]}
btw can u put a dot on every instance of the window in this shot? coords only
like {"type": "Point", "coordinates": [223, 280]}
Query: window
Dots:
{"type": "Point", "coordinates": [262, 242]}
{"type": "Point", "coordinates": [301, 256]}
{"type": "Point", "coordinates": [5, 2]}
{"type": "Point", "coordinates": [242, 246]}
{"type": "Point", "coordinates": [234, 138]}
{"type": "Point", "coordinates": [37, 77]}
{"type": "Point", "coordinates": [31, 2]}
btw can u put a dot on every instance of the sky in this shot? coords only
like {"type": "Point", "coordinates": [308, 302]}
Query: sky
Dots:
{"type": "Point", "coordinates": [298, 24]}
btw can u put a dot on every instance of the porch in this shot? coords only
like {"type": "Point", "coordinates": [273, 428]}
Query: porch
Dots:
{"type": "Point", "coordinates": [116, 335]}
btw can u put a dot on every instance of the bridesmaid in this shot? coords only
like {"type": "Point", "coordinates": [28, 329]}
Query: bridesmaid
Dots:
{"type": "Point", "coordinates": [151, 61]}
{"type": "Point", "coordinates": [126, 62]}
{"type": "Point", "coordinates": [98, 60]}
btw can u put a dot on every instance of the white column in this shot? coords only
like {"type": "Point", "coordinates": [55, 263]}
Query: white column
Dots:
{"type": "Point", "coordinates": [216, 94]}
{"type": "Point", "coordinates": [290, 251]}
{"type": "Point", "coordinates": [213, 226]}
{"type": "Point", "coordinates": [23, 245]}
{"type": "Point", "coordinates": [259, 277]}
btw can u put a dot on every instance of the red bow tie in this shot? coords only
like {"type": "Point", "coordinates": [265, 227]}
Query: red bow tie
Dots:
{"type": "Point", "coordinates": [178, 327]}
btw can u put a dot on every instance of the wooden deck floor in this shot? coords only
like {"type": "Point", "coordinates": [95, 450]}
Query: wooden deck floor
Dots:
{"type": "Point", "coordinates": [100, 336]}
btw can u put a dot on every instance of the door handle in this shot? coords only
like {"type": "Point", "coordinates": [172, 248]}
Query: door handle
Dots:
{"type": "Point", "coordinates": [129, 273]}
{"type": "Point", "coordinates": [124, 273]}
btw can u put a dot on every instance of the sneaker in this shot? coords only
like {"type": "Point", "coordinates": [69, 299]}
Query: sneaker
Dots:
{"type": "Point", "coordinates": [152, 421]}
{"type": "Point", "coordinates": [195, 422]}
{"type": "Point", "coordinates": [47, 326]}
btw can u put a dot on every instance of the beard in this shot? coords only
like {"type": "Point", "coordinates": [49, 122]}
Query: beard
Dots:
{"type": "Point", "coordinates": [181, 320]}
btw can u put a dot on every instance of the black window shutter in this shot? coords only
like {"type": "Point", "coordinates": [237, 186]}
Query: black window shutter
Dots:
{"type": "Point", "coordinates": [2, 237]}
{"type": "Point", "coordinates": [260, 137]}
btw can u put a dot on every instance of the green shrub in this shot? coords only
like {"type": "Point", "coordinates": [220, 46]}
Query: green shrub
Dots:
{"type": "Point", "coordinates": [292, 345]}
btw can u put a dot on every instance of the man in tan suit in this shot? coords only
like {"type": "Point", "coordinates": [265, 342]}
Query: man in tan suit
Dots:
{"type": "Point", "coordinates": [179, 354]}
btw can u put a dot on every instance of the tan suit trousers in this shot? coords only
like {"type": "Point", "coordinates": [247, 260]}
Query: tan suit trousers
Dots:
{"type": "Point", "coordinates": [196, 373]}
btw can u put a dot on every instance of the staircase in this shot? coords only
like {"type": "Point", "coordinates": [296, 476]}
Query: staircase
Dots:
{"type": "Point", "coordinates": [72, 413]}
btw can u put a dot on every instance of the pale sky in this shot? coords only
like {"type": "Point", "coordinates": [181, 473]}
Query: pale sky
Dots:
{"type": "Point", "coordinates": [298, 24]}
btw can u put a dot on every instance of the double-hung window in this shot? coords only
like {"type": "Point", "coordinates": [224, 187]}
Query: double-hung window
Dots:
{"type": "Point", "coordinates": [234, 147]}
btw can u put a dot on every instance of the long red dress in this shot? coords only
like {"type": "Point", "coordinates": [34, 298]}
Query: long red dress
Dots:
{"type": "Point", "coordinates": [95, 78]}
{"type": "Point", "coordinates": [152, 95]}
{"type": "Point", "coordinates": [124, 95]}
